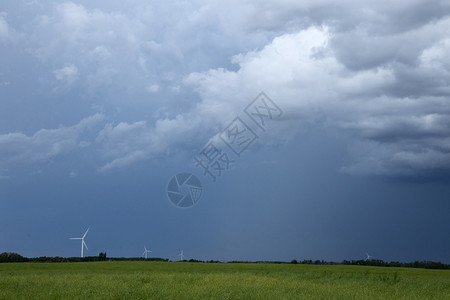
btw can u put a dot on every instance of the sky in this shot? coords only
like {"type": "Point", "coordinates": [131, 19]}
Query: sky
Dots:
{"type": "Point", "coordinates": [311, 129]}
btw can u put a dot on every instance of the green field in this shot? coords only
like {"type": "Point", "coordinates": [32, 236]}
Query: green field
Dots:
{"type": "Point", "coordinates": [182, 280]}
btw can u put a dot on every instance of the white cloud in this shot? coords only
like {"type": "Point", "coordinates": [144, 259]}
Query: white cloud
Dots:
{"type": "Point", "coordinates": [306, 78]}
{"type": "Point", "coordinates": [100, 52]}
{"type": "Point", "coordinates": [44, 145]}
{"type": "Point", "coordinates": [4, 27]}
{"type": "Point", "coordinates": [74, 16]}
{"type": "Point", "coordinates": [102, 47]}
{"type": "Point", "coordinates": [127, 143]}
{"type": "Point", "coordinates": [136, 44]}
{"type": "Point", "coordinates": [84, 144]}
{"type": "Point", "coordinates": [125, 161]}
{"type": "Point", "coordinates": [153, 88]}
{"type": "Point", "coordinates": [68, 74]}
{"type": "Point", "coordinates": [310, 83]}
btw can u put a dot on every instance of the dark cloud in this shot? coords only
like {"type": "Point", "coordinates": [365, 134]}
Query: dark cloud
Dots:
{"type": "Point", "coordinates": [377, 69]}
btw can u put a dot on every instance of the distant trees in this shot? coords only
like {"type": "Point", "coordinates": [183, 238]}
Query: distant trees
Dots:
{"type": "Point", "coordinates": [381, 263]}
{"type": "Point", "coordinates": [102, 256]}
{"type": "Point", "coordinates": [6, 257]}
{"type": "Point", "coordinates": [55, 259]}
{"type": "Point", "coordinates": [11, 257]}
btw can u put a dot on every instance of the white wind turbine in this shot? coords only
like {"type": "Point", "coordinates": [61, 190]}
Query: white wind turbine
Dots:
{"type": "Point", "coordinates": [181, 255]}
{"type": "Point", "coordinates": [145, 252]}
{"type": "Point", "coordinates": [368, 256]}
{"type": "Point", "coordinates": [83, 244]}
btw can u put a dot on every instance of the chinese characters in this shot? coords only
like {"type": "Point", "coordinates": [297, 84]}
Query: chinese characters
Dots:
{"type": "Point", "coordinates": [236, 137]}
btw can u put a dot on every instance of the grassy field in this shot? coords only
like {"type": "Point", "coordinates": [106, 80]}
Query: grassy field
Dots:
{"type": "Point", "coordinates": [182, 280]}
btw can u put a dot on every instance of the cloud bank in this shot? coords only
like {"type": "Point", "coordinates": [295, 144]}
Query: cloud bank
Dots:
{"type": "Point", "coordinates": [44, 145]}
{"type": "Point", "coordinates": [398, 110]}
{"type": "Point", "coordinates": [378, 72]}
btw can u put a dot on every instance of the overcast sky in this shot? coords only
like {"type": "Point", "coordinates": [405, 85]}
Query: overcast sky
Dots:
{"type": "Point", "coordinates": [101, 103]}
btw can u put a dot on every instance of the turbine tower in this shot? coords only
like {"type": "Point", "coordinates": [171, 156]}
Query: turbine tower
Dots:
{"type": "Point", "coordinates": [83, 244]}
{"type": "Point", "coordinates": [181, 255]}
{"type": "Point", "coordinates": [145, 252]}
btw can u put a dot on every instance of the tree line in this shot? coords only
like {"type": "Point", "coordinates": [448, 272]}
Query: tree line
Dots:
{"type": "Point", "coordinates": [379, 263]}
{"type": "Point", "coordinates": [7, 257]}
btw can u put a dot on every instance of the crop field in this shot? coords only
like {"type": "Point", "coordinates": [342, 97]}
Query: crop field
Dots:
{"type": "Point", "coordinates": [183, 280]}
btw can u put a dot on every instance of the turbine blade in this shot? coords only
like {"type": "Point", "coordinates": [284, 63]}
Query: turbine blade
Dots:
{"type": "Point", "coordinates": [84, 244]}
{"type": "Point", "coordinates": [74, 238]}
{"type": "Point", "coordinates": [85, 233]}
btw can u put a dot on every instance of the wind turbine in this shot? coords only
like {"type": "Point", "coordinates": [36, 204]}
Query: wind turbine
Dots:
{"type": "Point", "coordinates": [181, 255]}
{"type": "Point", "coordinates": [83, 244]}
{"type": "Point", "coordinates": [145, 252]}
{"type": "Point", "coordinates": [368, 256]}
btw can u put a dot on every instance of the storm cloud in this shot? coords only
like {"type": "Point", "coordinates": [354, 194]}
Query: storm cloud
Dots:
{"type": "Point", "coordinates": [379, 71]}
